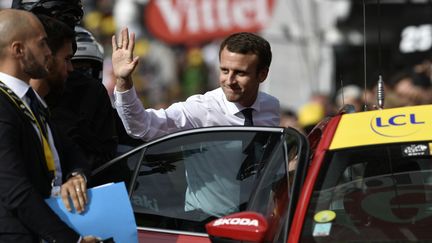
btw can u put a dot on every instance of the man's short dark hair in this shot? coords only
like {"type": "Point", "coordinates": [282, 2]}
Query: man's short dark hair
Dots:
{"type": "Point", "coordinates": [247, 43]}
{"type": "Point", "coordinates": [57, 33]}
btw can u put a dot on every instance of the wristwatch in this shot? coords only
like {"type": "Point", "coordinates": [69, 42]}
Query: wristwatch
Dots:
{"type": "Point", "coordinates": [79, 173]}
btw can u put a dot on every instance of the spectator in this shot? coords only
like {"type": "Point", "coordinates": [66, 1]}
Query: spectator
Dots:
{"type": "Point", "coordinates": [289, 118]}
{"type": "Point", "coordinates": [411, 88]}
{"type": "Point", "coordinates": [350, 95]}
{"type": "Point", "coordinates": [310, 114]}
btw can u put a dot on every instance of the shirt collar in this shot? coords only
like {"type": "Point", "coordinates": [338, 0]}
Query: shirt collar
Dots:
{"type": "Point", "coordinates": [234, 108]}
{"type": "Point", "coordinates": [19, 87]}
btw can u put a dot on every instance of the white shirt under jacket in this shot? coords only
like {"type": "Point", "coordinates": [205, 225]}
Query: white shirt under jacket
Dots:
{"type": "Point", "coordinates": [209, 109]}
{"type": "Point", "coordinates": [19, 87]}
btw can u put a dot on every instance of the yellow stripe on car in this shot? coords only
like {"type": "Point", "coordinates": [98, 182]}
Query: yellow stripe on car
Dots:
{"type": "Point", "coordinates": [406, 124]}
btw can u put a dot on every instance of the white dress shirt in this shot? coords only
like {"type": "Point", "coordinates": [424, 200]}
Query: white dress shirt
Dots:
{"type": "Point", "coordinates": [209, 109]}
{"type": "Point", "coordinates": [20, 88]}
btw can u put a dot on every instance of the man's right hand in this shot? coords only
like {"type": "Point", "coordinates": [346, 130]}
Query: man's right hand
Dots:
{"type": "Point", "coordinates": [75, 188]}
{"type": "Point", "coordinates": [90, 239]}
{"type": "Point", "coordinates": [122, 59]}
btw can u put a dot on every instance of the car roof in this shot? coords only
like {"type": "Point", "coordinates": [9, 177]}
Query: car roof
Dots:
{"type": "Point", "coordinates": [396, 125]}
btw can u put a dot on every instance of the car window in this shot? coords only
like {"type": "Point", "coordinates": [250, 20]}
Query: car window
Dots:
{"type": "Point", "coordinates": [120, 169]}
{"type": "Point", "coordinates": [275, 191]}
{"type": "Point", "coordinates": [187, 181]}
{"type": "Point", "coordinates": [378, 193]}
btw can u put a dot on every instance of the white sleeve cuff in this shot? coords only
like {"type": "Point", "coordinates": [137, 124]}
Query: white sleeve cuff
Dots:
{"type": "Point", "coordinates": [125, 97]}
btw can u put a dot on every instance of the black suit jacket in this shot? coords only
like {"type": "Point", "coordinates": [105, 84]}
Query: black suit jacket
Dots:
{"type": "Point", "coordinates": [84, 111]}
{"type": "Point", "coordinates": [25, 181]}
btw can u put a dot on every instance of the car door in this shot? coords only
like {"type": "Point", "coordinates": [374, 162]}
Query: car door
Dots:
{"type": "Point", "coordinates": [182, 181]}
{"type": "Point", "coordinates": [192, 178]}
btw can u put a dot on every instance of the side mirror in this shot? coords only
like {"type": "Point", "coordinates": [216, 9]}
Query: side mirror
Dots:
{"type": "Point", "coordinates": [243, 226]}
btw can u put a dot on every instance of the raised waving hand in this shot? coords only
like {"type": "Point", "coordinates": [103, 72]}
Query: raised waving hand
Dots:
{"type": "Point", "coordinates": [123, 61]}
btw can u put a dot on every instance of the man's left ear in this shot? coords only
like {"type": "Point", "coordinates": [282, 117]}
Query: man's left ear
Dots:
{"type": "Point", "coordinates": [17, 48]}
{"type": "Point", "coordinates": [263, 74]}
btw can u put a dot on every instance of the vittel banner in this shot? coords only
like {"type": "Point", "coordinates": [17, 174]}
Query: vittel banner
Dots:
{"type": "Point", "coordinates": [196, 21]}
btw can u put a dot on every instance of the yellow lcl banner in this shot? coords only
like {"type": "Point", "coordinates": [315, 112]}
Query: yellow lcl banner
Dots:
{"type": "Point", "coordinates": [406, 124]}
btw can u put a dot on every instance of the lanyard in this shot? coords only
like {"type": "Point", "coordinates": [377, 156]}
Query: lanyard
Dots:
{"type": "Point", "coordinates": [49, 158]}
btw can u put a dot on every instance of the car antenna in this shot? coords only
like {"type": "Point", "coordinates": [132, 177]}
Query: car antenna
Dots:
{"type": "Point", "coordinates": [342, 92]}
{"type": "Point", "coordinates": [365, 108]}
{"type": "Point", "coordinates": [348, 108]}
{"type": "Point", "coordinates": [380, 84]}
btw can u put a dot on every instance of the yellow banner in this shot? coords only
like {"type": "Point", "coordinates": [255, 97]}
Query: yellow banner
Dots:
{"type": "Point", "coordinates": [396, 125]}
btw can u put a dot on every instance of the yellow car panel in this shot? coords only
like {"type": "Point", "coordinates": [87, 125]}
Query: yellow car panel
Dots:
{"type": "Point", "coordinates": [384, 126]}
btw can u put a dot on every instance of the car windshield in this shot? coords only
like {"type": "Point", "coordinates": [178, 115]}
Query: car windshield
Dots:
{"type": "Point", "coordinates": [372, 194]}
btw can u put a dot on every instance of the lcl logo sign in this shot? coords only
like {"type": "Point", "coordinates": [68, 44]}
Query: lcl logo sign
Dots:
{"type": "Point", "coordinates": [396, 126]}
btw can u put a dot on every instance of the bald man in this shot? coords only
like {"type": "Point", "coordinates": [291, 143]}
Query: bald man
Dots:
{"type": "Point", "coordinates": [30, 154]}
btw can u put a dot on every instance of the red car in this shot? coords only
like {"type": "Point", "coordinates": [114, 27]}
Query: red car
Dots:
{"type": "Point", "coordinates": [363, 177]}
{"type": "Point", "coordinates": [369, 180]}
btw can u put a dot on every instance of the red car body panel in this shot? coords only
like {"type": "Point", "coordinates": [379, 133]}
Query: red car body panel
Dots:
{"type": "Point", "coordinates": [161, 237]}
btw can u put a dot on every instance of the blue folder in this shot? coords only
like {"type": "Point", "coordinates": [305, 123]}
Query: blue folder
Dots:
{"type": "Point", "coordinates": [108, 214]}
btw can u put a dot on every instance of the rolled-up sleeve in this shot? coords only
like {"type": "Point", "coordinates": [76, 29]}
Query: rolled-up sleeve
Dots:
{"type": "Point", "coordinates": [147, 124]}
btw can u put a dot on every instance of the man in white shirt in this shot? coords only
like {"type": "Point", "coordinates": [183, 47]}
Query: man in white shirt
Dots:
{"type": "Point", "coordinates": [244, 64]}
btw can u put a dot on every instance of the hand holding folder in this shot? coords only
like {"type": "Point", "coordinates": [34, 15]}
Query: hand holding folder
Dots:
{"type": "Point", "coordinates": [108, 214]}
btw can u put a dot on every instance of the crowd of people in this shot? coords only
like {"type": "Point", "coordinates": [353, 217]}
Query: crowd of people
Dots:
{"type": "Point", "coordinates": [412, 85]}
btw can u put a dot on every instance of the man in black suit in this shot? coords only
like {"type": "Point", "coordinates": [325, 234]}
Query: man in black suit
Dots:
{"type": "Point", "coordinates": [80, 106]}
{"type": "Point", "coordinates": [30, 152]}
